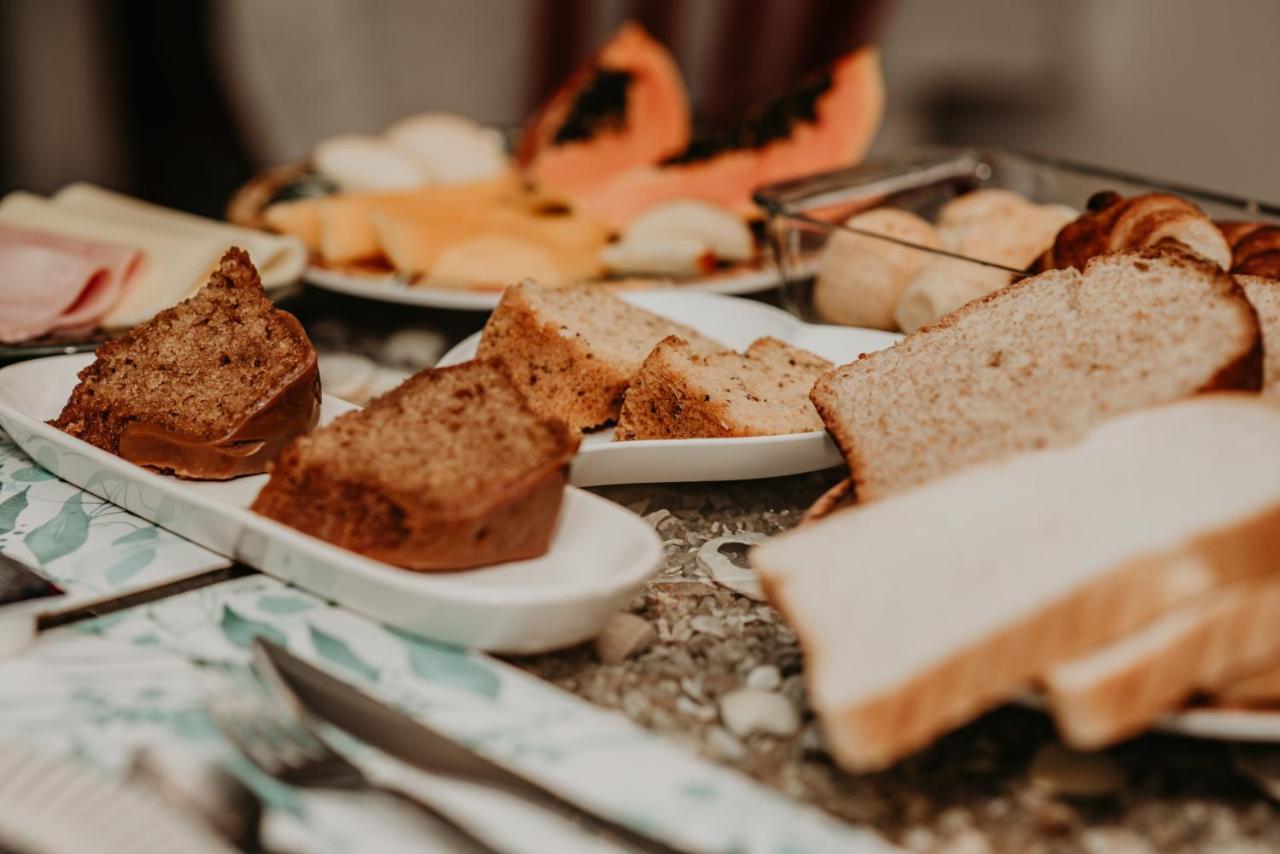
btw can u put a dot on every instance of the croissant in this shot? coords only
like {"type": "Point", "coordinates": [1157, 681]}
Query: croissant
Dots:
{"type": "Point", "coordinates": [1113, 223]}
{"type": "Point", "coordinates": [1255, 248]}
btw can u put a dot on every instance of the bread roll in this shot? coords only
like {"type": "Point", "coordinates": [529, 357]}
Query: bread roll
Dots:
{"type": "Point", "coordinates": [860, 278]}
{"type": "Point", "coordinates": [941, 288]}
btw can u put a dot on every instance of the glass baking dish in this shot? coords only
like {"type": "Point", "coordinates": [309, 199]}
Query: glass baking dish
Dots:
{"type": "Point", "coordinates": [804, 214]}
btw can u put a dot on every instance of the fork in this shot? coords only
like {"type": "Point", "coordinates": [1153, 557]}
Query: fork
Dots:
{"type": "Point", "coordinates": [281, 743]}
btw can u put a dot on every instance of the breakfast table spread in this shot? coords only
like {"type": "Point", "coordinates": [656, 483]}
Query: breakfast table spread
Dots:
{"type": "Point", "coordinates": [687, 718]}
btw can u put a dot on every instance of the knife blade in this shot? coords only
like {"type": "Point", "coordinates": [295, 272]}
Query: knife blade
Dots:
{"type": "Point", "coordinates": [410, 740]}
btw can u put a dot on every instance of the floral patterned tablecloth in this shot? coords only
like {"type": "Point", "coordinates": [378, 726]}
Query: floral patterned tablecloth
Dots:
{"type": "Point", "coordinates": [100, 689]}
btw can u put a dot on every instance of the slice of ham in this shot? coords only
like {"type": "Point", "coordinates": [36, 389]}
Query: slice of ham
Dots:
{"type": "Point", "coordinates": [50, 283]}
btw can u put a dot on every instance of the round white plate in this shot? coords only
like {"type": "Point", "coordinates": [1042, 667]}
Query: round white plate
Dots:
{"type": "Point", "coordinates": [391, 288]}
{"type": "Point", "coordinates": [600, 554]}
{"type": "Point", "coordinates": [735, 323]}
{"type": "Point", "coordinates": [54, 806]}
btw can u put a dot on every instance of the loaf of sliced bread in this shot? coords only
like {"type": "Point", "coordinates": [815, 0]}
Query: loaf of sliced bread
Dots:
{"type": "Point", "coordinates": [1038, 363]}
{"type": "Point", "coordinates": [918, 612]}
{"type": "Point", "coordinates": [1264, 295]}
{"type": "Point", "coordinates": [210, 389]}
{"type": "Point", "coordinates": [574, 350]}
{"type": "Point", "coordinates": [1120, 689]}
{"type": "Point", "coordinates": [449, 470]}
{"type": "Point", "coordinates": [679, 393]}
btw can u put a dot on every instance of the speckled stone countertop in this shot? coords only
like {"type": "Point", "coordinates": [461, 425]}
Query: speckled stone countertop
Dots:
{"type": "Point", "coordinates": [1000, 784]}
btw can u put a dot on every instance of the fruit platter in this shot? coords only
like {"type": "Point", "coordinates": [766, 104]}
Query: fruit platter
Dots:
{"type": "Point", "coordinates": [607, 181]}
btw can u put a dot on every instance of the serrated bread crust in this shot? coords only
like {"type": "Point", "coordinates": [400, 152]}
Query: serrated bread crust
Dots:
{"type": "Point", "coordinates": [1038, 363]}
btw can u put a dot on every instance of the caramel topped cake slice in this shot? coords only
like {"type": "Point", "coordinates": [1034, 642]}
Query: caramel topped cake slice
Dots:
{"type": "Point", "coordinates": [452, 469]}
{"type": "Point", "coordinates": [210, 389]}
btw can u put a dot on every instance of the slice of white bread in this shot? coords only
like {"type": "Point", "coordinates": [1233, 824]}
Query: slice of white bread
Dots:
{"type": "Point", "coordinates": [1264, 294]}
{"type": "Point", "coordinates": [918, 612]}
{"type": "Point", "coordinates": [1120, 689]}
{"type": "Point", "coordinates": [1038, 363]}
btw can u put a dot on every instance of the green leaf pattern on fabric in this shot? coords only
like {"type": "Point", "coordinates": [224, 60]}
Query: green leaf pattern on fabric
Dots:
{"type": "Point", "coordinates": [11, 508]}
{"type": "Point", "coordinates": [450, 665]}
{"type": "Point", "coordinates": [31, 474]}
{"type": "Point", "coordinates": [62, 534]}
{"type": "Point", "coordinates": [128, 566]}
{"type": "Point", "coordinates": [335, 649]}
{"type": "Point", "coordinates": [283, 605]}
{"type": "Point", "coordinates": [241, 631]}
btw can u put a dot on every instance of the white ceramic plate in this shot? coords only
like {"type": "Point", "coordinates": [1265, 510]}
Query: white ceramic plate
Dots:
{"type": "Point", "coordinates": [599, 556]}
{"type": "Point", "coordinates": [748, 280]}
{"type": "Point", "coordinates": [51, 805]}
{"type": "Point", "coordinates": [735, 323]}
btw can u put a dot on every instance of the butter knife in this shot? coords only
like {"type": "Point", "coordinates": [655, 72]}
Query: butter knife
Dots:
{"type": "Point", "coordinates": [412, 741]}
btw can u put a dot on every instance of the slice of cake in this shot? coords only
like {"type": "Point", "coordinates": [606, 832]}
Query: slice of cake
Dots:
{"type": "Point", "coordinates": [680, 393]}
{"type": "Point", "coordinates": [450, 470]}
{"type": "Point", "coordinates": [210, 389]}
{"type": "Point", "coordinates": [573, 351]}
{"type": "Point", "coordinates": [1037, 363]}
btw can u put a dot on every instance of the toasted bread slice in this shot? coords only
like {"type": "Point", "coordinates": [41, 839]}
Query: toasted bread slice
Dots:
{"type": "Point", "coordinates": [918, 612]}
{"type": "Point", "coordinates": [574, 350]}
{"type": "Point", "coordinates": [1038, 363]}
{"type": "Point", "coordinates": [681, 394]}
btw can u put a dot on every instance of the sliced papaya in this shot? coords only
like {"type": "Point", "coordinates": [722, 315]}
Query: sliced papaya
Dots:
{"type": "Point", "coordinates": [826, 123]}
{"type": "Point", "coordinates": [626, 107]}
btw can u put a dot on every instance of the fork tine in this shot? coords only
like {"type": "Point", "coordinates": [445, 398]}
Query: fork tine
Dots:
{"type": "Point", "coordinates": [222, 700]}
{"type": "Point", "coordinates": [280, 722]}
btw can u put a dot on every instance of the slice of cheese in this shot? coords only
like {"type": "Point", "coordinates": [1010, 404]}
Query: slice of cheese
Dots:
{"type": "Point", "coordinates": [174, 264]}
{"type": "Point", "coordinates": [280, 259]}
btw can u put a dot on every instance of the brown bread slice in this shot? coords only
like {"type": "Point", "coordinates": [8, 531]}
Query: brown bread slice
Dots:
{"type": "Point", "coordinates": [1038, 363]}
{"type": "Point", "coordinates": [918, 612]}
{"type": "Point", "coordinates": [574, 350]}
{"type": "Point", "coordinates": [212, 388]}
{"type": "Point", "coordinates": [681, 394]}
{"type": "Point", "coordinates": [1264, 294]}
{"type": "Point", "coordinates": [449, 470]}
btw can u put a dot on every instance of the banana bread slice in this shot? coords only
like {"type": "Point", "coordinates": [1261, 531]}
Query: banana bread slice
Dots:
{"type": "Point", "coordinates": [210, 389]}
{"type": "Point", "coordinates": [449, 470]}
{"type": "Point", "coordinates": [682, 394]}
{"type": "Point", "coordinates": [574, 350]}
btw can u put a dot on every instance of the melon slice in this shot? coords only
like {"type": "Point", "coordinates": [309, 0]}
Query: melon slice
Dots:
{"type": "Point", "coordinates": [626, 107]}
{"type": "Point", "coordinates": [825, 124]}
{"type": "Point", "coordinates": [417, 242]}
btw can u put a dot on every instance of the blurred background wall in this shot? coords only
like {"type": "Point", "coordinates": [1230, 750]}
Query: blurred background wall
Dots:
{"type": "Point", "coordinates": [181, 101]}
